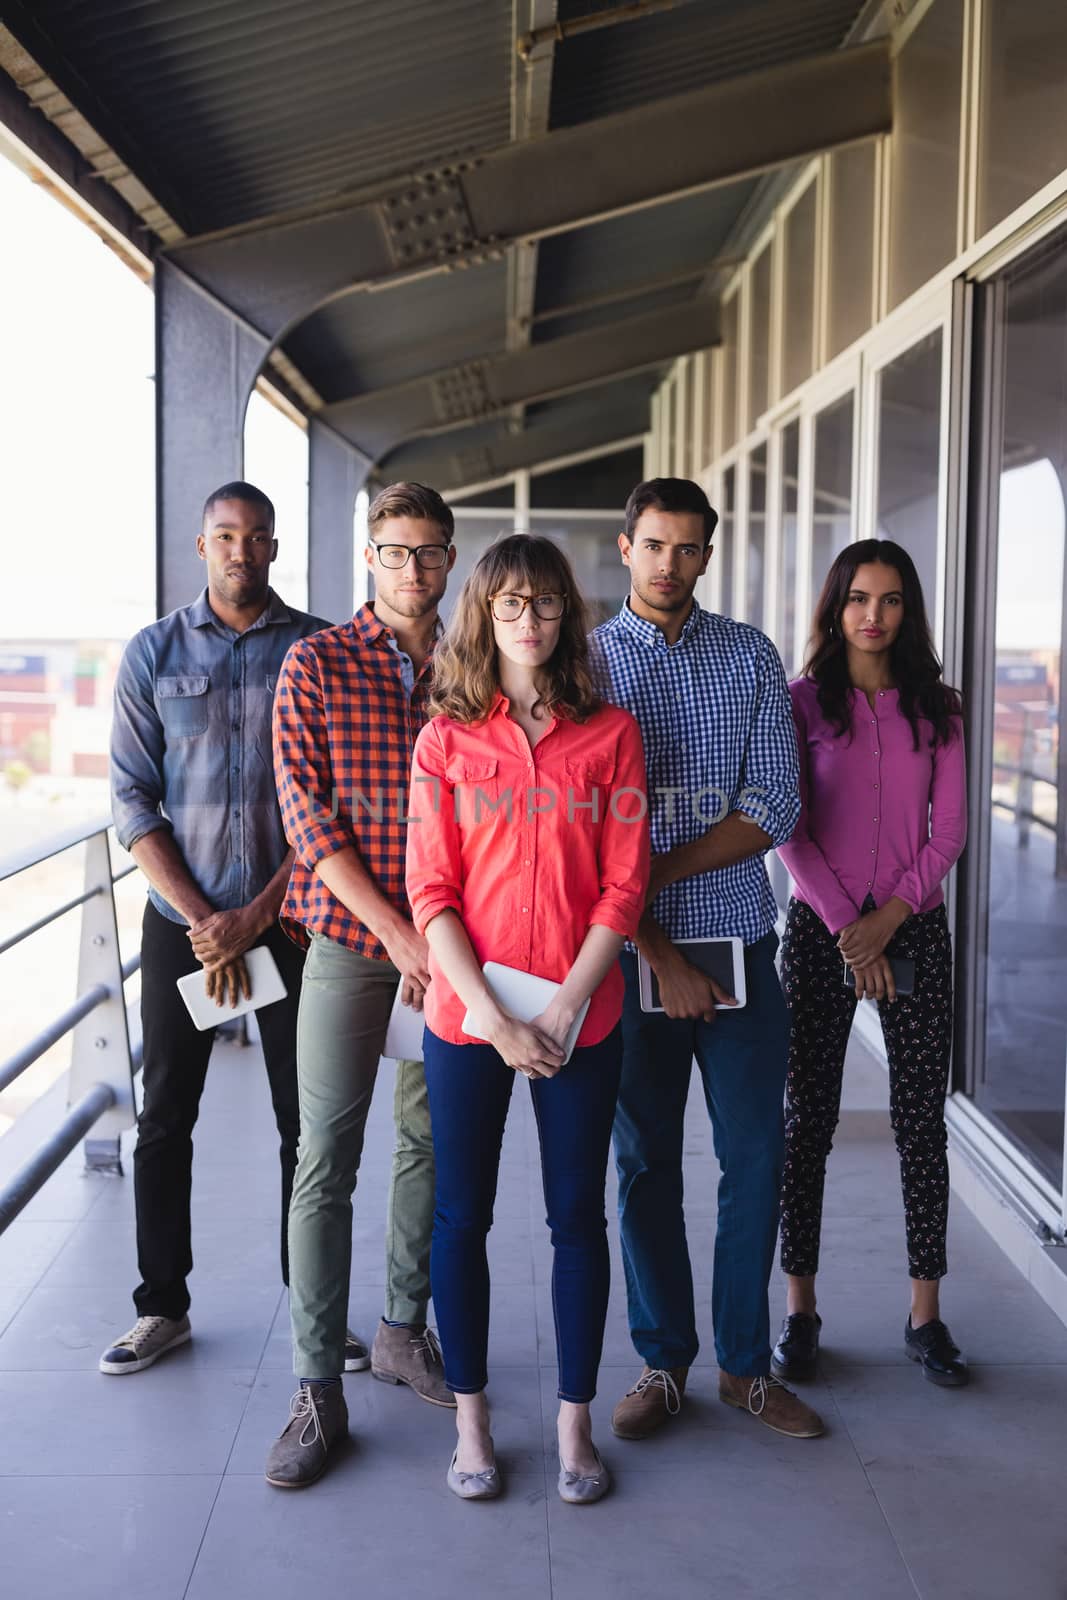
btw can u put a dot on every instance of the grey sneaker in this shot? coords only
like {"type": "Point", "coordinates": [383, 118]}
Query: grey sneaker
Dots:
{"type": "Point", "coordinates": [147, 1340]}
{"type": "Point", "coordinates": [411, 1356]}
{"type": "Point", "coordinates": [318, 1418]}
{"type": "Point", "coordinates": [357, 1356]}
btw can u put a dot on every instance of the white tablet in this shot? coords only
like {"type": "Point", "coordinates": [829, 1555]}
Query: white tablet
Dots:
{"type": "Point", "coordinates": [721, 959]}
{"type": "Point", "coordinates": [263, 975]}
{"type": "Point", "coordinates": [403, 1038]}
{"type": "Point", "coordinates": [522, 995]}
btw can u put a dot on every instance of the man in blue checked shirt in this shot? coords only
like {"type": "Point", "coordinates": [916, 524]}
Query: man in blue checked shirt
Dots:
{"type": "Point", "coordinates": [711, 698]}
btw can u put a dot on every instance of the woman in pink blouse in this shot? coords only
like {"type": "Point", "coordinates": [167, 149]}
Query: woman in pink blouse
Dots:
{"type": "Point", "coordinates": [883, 818]}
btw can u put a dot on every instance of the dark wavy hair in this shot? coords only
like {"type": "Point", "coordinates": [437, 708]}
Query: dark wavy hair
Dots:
{"type": "Point", "coordinates": [466, 680]}
{"type": "Point", "coordinates": [915, 663]}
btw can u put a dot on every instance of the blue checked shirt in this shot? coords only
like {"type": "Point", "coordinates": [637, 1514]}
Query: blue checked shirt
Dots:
{"type": "Point", "coordinates": [715, 716]}
{"type": "Point", "coordinates": [191, 745]}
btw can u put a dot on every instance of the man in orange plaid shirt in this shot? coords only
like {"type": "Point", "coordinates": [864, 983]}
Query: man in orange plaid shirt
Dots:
{"type": "Point", "coordinates": [349, 703]}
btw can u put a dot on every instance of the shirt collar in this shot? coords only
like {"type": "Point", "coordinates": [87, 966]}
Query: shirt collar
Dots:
{"type": "Point", "coordinates": [651, 636]}
{"type": "Point", "coordinates": [202, 616]}
{"type": "Point", "coordinates": [370, 629]}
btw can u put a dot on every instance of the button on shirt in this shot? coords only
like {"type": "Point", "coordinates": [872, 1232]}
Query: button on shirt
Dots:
{"type": "Point", "coordinates": [713, 709]}
{"type": "Point", "coordinates": [878, 817]}
{"type": "Point", "coordinates": [191, 745]}
{"type": "Point", "coordinates": [349, 706]}
{"type": "Point", "coordinates": [529, 847]}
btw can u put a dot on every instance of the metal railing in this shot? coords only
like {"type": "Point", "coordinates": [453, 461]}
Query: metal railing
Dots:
{"type": "Point", "coordinates": [103, 1062]}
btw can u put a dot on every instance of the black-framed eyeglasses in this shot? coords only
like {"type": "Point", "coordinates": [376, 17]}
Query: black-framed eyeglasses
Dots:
{"type": "Point", "coordinates": [510, 607]}
{"type": "Point", "coordinates": [395, 556]}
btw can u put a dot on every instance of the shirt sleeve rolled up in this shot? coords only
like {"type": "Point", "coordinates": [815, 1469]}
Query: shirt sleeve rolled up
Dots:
{"type": "Point", "coordinates": [303, 768]}
{"type": "Point", "coordinates": [137, 744]}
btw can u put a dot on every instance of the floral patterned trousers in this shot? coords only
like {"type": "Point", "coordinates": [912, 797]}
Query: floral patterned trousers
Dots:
{"type": "Point", "coordinates": [918, 1036]}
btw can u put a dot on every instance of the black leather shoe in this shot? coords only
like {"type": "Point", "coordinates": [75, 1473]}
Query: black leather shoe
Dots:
{"type": "Point", "coordinates": [797, 1352]}
{"type": "Point", "coordinates": [932, 1346]}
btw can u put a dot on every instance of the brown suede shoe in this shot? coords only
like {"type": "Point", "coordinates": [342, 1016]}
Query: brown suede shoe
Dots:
{"type": "Point", "coordinates": [411, 1356]}
{"type": "Point", "coordinates": [771, 1403]}
{"type": "Point", "coordinates": [318, 1418]}
{"type": "Point", "coordinates": [656, 1396]}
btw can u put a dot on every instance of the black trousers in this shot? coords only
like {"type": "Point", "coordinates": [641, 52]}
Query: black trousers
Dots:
{"type": "Point", "coordinates": [918, 1040]}
{"type": "Point", "coordinates": [176, 1058]}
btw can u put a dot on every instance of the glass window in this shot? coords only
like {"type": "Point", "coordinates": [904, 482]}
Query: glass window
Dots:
{"type": "Point", "coordinates": [725, 536]}
{"type": "Point", "coordinates": [757, 535]}
{"type": "Point", "coordinates": [800, 290]}
{"type": "Point", "coordinates": [685, 421]}
{"type": "Point", "coordinates": [669, 415]}
{"type": "Point", "coordinates": [832, 509]}
{"type": "Point", "coordinates": [707, 441]}
{"type": "Point", "coordinates": [730, 329]}
{"type": "Point", "coordinates": [759, 337]}
{"type": "Point", "coordinates": [851, 267]}
{"type": "Point", "coordinates": [790, 501]}
{"type": "Point", "coordinates": [909, 455]}
{"type": "Point", "coordinates": [926, 150]}
{"type": "Point", "coordinates": [1023, 124]}
{"type": "Point", "coordinates": [1022, 933]}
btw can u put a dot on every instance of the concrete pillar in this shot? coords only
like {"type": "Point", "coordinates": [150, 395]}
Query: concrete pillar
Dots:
{"type": "Point", "coordinates": [207, 361]}
{"type": "Point", "coordinates": [336, 473]}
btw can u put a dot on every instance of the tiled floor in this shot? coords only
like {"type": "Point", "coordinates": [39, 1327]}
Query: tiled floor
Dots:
{"type": "Point", "coordinates": [153, 1487]}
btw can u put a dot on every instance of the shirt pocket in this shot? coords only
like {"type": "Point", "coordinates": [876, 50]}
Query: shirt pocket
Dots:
{"type": "Point", "coordinates": [588, 786]}
{"type": "Point", "coordinates": [479, 792]}
{"type": "Point", "coordinates": [183, 705]}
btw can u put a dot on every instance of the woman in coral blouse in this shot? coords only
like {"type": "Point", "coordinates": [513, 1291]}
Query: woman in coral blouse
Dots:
{"type": "Point", "coordinates": [883, 818]}
{"type": "Point", "coordinates": [528, 846]}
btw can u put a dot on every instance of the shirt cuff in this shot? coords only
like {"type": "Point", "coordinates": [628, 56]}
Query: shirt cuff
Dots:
{"type": "Point", "coordinates": [615, 919]}
{"type": "Point", "coordinates": [129, 833]}
{"type": "Point", "coordinates": [779, 829]}
{"type": "Point", "coordinates": [314, 841]}
{"type": "Point", "coordinates": [431, 905]}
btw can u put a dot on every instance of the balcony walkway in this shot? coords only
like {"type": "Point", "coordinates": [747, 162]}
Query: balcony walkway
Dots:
{"type": "Point", "coordinates": [153, 1488]}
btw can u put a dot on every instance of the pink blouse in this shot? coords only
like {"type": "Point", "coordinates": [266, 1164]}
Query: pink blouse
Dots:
{"type": "Point", "coordinates": [877, 816]}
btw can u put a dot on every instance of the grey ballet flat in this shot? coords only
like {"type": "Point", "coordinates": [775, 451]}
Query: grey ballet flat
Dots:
{"type": "Point", "coordinates": [579, 1491]}
{"type": "Point", "coordinates": [474, 1485]}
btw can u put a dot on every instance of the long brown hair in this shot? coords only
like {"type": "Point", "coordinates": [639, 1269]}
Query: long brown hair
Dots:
{"type": "Point", "coordinates": [466, 680]}
{"type": "Point", "coordinates": [915, 663]}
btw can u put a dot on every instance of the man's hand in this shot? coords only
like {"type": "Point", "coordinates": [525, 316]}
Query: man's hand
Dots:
{"type": "Point", "coordinates": [226, 983]}
{"type": "Point", "coordinates": [409, 953]}
{"type": "Point", "coordinates": [864, 940]}
{"type": "Point", "coordinates": [219, 939]}
{"type": "Point", "coordinates": [686, 992]}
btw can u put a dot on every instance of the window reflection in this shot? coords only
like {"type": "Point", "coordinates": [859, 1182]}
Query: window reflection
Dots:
{"type": "Point", "coordinates": [790, 469]}
{"type": "Point", "coordinates": [1024, 942]}
{"type": "Point", "coordinates": [909, 455]}
{"type": "Point", "coordinates": [832, 510]}
{"type": "Point", "coordinates": [757, 536]}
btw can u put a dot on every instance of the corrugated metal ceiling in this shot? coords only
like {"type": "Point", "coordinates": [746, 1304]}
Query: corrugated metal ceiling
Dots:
{"type": "Point", "coordinates": [241, 110]}
{"type": "Point", "coordinates": [700, 42]}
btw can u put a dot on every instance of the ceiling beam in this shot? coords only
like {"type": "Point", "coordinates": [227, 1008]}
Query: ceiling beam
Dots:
{"type": "Point", "coordinates": [276, 272]}
{"type": "Point", "coordinates": [458, 396]}
{"type": "Point", "coordinates": [451, 466]}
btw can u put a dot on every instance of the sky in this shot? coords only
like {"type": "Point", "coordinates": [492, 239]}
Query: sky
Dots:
{"type": "Point", "coordinates": [77, 433]}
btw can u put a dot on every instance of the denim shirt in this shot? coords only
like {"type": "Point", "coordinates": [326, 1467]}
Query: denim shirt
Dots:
{"type": "Point", "coordinates": [191, 745]}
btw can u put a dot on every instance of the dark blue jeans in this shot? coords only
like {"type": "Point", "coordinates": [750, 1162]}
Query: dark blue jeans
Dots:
{"type": "Point", "coordinates": [742, 1059]}
{"type": "Point", "coordinates": [470, 1089]}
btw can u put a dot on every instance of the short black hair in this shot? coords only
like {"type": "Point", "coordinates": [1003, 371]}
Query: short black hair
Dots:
{"type": "Point", "coordinates": [410, 499]}
{"type": "Point", "coordinates": [671, 494]}
{"type": "Point", "coordinates": [239, 490]}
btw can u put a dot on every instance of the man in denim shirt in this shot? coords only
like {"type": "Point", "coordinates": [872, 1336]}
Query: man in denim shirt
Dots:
{"type": "Point", "coordinates": [193, 799]}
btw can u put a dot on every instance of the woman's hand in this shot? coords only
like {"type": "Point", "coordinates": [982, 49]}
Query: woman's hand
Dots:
{"type": "Point", "coordinates": [526, 1047]}
{"type": "Point", "coordinates": [864, 940]}
{"type": "Point", "coordinates": [556, 1021]}
{"type": "Point", "coordinates": [874, 981]}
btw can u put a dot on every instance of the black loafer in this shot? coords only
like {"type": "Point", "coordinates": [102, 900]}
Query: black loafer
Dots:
{"type": "Point", "coordinates": [933, 1347]}
{"type": "Point", "coordinates": [797, 1352]}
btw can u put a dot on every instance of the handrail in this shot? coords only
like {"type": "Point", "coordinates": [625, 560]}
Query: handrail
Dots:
{"type": "Point", "coordinates": [102, 1062]}
{"type": "Point", "coordinates": [34, 854]}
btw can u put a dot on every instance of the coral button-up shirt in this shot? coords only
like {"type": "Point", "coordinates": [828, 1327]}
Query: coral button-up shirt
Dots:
{"type": "Point", "coordinates": [529, 847]}
{"type": "Point", "coordinates": [878, 817]}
